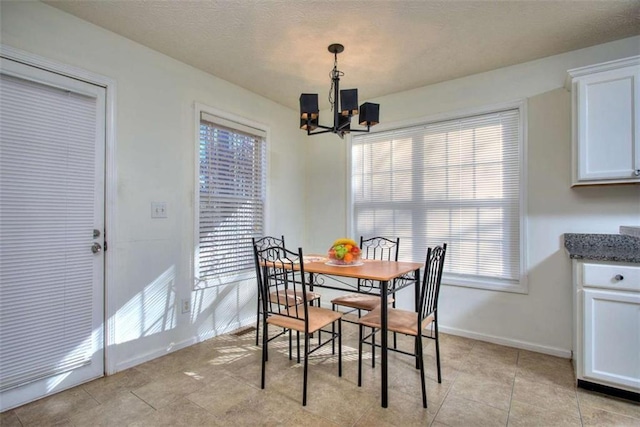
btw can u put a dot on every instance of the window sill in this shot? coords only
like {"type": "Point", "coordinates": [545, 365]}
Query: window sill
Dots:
{"type": "Point", "coordinates": [488, 285]}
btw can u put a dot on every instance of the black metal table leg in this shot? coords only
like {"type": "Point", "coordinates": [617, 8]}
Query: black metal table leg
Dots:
{"type": "Point", "coordinates": [417, 290]}
{"type": "Point", "coordinates": [383, 321]}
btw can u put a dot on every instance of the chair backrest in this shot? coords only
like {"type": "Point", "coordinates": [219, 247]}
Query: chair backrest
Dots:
{"type": "Point", "coordinates": [281, 280]}
{"type": "Point", "coordinates": [264, 243]}
{"type": "Point", "coordinates": [431, 279]}
{"type": "Point", "coordinates": [268, 241]}
{"type": "Point", "coordinates": [380, 248]}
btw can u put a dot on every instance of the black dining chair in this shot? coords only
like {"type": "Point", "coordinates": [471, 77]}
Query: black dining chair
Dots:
{"type": "Point", "coordinates": [263, 243]}
{"type": "Point", "coordinates": [283, 289]}
{"type": "Point", "coordinates": [368, 296]}
{"type": "Point", "coordinates": [411, 323]}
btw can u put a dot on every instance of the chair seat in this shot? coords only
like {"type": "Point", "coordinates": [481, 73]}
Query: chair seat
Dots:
{"type": "Point", "coordinates": [291, 298]}
{"type": "Point", "coordinates": [359, 301]}
{"type": "Point", "coordinates": [318, 318]}
{"type": "Point", "coordinates": [401, 321]}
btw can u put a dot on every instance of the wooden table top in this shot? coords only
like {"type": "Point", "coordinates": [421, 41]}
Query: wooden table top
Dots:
{"type": "Point", "coordinates": [370, 269]}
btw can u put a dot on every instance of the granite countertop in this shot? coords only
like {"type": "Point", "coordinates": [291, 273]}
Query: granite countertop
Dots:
{"type": "Point", "coordinates": [603, 247]}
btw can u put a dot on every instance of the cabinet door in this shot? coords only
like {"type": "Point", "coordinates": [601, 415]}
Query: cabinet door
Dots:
{"type": "Point", "coordinates": [608, 146]}
{"type": "Point", "coordinates": [612, 338]}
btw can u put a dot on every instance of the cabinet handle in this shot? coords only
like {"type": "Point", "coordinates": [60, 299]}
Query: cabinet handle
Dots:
{"type": "Point", "coordinates": [636, 172]}
{"type": "Point", "coordinates": [619, 277]}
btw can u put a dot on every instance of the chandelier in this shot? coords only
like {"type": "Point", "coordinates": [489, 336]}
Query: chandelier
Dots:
{"type": "Point", "coordinates": [348, 101]}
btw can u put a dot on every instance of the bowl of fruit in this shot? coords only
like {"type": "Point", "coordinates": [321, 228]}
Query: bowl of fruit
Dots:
{"type": "Point", "coordinates": [344, 252]}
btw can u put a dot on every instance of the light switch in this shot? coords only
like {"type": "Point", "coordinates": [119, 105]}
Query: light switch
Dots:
{"type": "Point", "coordinates": [158, 209]}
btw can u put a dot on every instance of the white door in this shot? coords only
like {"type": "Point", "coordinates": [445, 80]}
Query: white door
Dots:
{"type": "Point", "coordinates": [52, 155]}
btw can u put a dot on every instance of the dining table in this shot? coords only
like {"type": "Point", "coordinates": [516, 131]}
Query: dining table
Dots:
{"type": "Point", "coordinates": [386, 273]}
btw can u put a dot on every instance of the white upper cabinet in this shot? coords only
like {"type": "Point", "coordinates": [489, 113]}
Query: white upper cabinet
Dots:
{"type": "Point", "coordinates": [606, 133]}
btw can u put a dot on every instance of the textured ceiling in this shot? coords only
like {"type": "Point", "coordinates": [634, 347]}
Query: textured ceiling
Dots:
{"type": "Point", "coordinates": [278, 48]}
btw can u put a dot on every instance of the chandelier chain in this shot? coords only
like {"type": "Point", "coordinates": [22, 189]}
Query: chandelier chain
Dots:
{"type": "Point", "coordinates": [335, 73]}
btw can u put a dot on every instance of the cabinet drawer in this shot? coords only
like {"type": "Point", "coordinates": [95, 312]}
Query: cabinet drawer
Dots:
{"type": "Point", "coordinates": [623, 277]}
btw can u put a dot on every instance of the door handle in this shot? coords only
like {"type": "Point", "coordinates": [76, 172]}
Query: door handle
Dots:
{"type": "Point", "coordinates": [95, 248]}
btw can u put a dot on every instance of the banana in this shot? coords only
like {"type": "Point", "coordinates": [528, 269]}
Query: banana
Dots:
{"type": "Point", "coordinates": [345, 241]}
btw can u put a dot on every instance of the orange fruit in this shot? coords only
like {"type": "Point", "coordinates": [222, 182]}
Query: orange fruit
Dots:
{"type": "Point", "coordinates": [348, 257]}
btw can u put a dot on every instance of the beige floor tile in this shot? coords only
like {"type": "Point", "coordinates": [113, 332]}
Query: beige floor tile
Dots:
{"type": "Point", "coordinates": [449, 368]}
{"type": "Point", "coordinates": [450, 360]}
{"type": "Point", "coordinates": [546, 369]}
{"type": "Point", "coordinates": [598, 417]}
{"type": "Point", "coordinates": [120, 410]}
{"type": "Point", "coordinates": [546, 396]}
{"type": "Point", "coordinates": [403, 410]}
{"type": "Point", "coordinates": [206, 372]}
{"type": "Point", "coordinates": [217, 382]}
{"type": "Point", "coordinates": [371, 377]}
{"type": "Point", "coordinates": [219, 352]}
{"type": "Point", "coordinates": [270, 409]}
{"type": "Point", "coordinates": [9, 419]}
{"type": "Point", "coordinates": [326, 395]}
{"type": "Point", "coordinates": [462, 344]}
{"type": "Point", "coordinates": [57, 408]}
{"type": "Point", "coordinates": [222, 394]}
{"type": "Point", "coordinates": [168, 364]}
{"type": "Point", "coordinates": [408, 382]}
{"type": "Point", "coordinates": [522, 414]}
{"type": "Point", "coordinates": [297, 420]}
{"type": "Point", "coordinates": [181, 413]}
{"type": "Point", "coordinates": [495, 369]}
{"type": "Point", "coordinates": [592, 399]}
{"type": "Point", "coordinates": [108, 387]}
{"type": "Point", "coordinates": [462, 412]}
{"type": "Point", "coordinates": [506, 355]}
{"type": "Point", "coordinates": [540, 357]}
{"type": "Point", "coordinates": [167, 389]}
{"type": "Point", "coordinates": [482, 389]}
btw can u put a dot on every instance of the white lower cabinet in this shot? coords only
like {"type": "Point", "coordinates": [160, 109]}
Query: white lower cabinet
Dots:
{"type": "Point", "coordinates": [607, 324]}
{"type": "Point", "coordinates": [611, 342]}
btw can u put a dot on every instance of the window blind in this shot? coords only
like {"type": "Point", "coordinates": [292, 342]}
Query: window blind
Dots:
{"type": "Point", "coordinates": [232, 187]}
{"type": "Point", "coordinates": [455, 181]}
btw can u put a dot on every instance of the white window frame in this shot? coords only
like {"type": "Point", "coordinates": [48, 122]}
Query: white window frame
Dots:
{"type": "Point", "coordinates": [242, 122]}
{"type": "Point", "coordinates": [522, 286]}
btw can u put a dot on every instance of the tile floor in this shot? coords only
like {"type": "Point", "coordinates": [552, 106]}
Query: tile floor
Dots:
{"type": "Point", "coordinates": [217, 383]}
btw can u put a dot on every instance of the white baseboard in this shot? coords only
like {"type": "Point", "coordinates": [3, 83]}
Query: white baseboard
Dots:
{"type": "Point", "coordinates": [523, 345]}
{"type": "Point", "coordinates": [130, 363]}
{"type": "Point", "coordinates": [553, 351]}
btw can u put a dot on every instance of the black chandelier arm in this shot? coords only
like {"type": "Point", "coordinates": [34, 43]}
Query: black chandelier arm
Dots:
{"type": "Point", "coordinates": [328, 129]}
{"type": "Point", "coordinates": [324, 127]}
{"type": "Point", "coordinates": [320, 131]}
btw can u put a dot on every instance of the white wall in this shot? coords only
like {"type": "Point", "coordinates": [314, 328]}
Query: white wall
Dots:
{"type": "Point", "coordinates": [155, 143]}
{"type": "Point", "coordinates": [540, 320]}
{"type": "Point", "coordinates": [155, 160]}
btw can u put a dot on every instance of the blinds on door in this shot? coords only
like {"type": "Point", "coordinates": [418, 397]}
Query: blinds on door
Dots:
{"type": "Point", "coordinates": [232, 187]}
{"type": "Point", "coordinates": [47, 195]}
{"type": "Point", "coordinates": [454, 182]}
